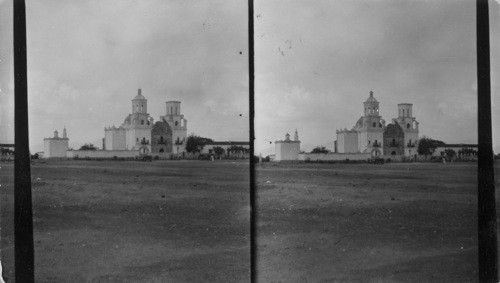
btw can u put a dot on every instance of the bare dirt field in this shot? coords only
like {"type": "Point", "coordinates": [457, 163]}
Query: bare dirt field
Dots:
{"type": "Point", "coordinates": [111, 221]}
{"type": "Point", "coordinates": [128, 221]}
{"type": "Point", "coordinates": [367, 223]}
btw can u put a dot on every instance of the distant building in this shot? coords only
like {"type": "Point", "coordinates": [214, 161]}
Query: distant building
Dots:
{"type": "Point", "coordinates": [468, 151]}
{"type": "Point", "coordinates": [243, 148]}
{"type": "Point", "coordinates": [371, 135]}
{"type": "Point", "coordinates": [56, 147]}
{"type": "Point", "coordinates": [178, 125]}
{"type": "Point", "coordinates": [115, 138]}
{"type": "Point", "coordinates": [135, 132]}
{"type": "Point", "coordinates": [287, 149]}
{"type": "Point", "coordinates": [394, 140]}
{"type": "Point", "coordinates": [139, 132]}
{"type": "Point", "coordinates": [410, 128]}
{"type": "Point", "coordinates": [161, 138]}
{"type": "Point", "coordinates": [347, 141]}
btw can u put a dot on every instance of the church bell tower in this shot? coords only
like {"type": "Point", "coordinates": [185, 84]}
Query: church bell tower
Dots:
{"type": "Point", "coordinates": [139, 103]}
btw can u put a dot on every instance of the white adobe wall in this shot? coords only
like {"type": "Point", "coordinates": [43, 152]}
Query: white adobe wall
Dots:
{"type": "Point", "coordinates": [341, 142]}
{"type": "Point", "coordinates": [46, 148]}
{"type": "Point", "coordinates": [115, 139]}
{"type": "Point", "coordinates": [119, 140]}
{"type": "Point", "coordinates": [334, 156]}
{"type": "Point", "coordinates": [411, 136]}
{"type": "Point", "coordinates": [347, 142]}
{"type": "Point", "coordinates": [55, 148]}
{"type": "Point", "coordinates": [102, 153]}
{"type": "Point", "coordinates": [410, 151]}
{"type": "Point", "coordinates": [371, 136]}
{"type": "Point", "coordinates": [287, 150]}
{"type": "Point", "coordinates": [137, 133]}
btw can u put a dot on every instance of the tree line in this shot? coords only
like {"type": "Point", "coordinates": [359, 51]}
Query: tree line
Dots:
{"type": "Point", "coordinates": [426, 146]}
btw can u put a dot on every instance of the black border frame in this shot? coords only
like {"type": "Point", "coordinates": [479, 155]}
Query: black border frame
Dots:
{"type": "Point", "coordinates": [487, 230]}
{"type": "Point", "coordinates": [23, 212]}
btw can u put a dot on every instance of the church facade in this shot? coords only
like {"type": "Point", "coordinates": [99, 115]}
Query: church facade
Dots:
{"type": "Point", "coordinates": [140, 132]}
{"type": "Point", "coordinates": [178, 125]}
{"type": "Point", "coordinates": [371, 135]}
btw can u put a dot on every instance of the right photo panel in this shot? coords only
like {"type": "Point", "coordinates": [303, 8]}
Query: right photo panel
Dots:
{"type": "Point", "coordinates": [366, 133]}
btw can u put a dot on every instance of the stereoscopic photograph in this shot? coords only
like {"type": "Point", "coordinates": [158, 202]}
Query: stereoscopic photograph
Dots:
{"type": "Point", "coordinates": [142, 164]}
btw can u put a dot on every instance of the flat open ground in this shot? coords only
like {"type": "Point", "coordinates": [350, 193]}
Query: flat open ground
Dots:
{"type": "Point", "coordinates": [188, 221]}
{"type": "Point", "coordinates": [365, 223]}
{"type": "Point", "coordinates": [122, 221]}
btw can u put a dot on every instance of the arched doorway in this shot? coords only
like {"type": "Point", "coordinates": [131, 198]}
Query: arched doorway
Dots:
{"type": "Point", "coordinates": [376, 153]}
{"type": "Point", "coordinates": [144, 150]}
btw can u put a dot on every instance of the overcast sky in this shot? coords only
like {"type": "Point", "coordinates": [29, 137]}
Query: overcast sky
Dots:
{"type": "Point", "coordinates": [86, 60]}
{"type": "Point", "coordinates": [315, 66]}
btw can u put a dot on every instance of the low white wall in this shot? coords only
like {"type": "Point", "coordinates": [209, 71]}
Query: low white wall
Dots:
{"type": "Point", "coordinates": [102, 153]}
{"type": "Point", "coordinates": [334, 156]}
{"type": "Point", "coordinates": [286, 150]}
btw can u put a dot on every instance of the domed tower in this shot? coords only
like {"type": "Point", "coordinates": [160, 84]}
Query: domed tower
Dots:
{"type": "Point", "coordinates": [139, 103]}
{"type": "Point", "coordinates": [410, 128]}
{"type": "Point", "coordinates": [371, 106]}
{"type": "Point", "coordinates": [287, 137]}
{"type": "Point", "coordinates": [175, 119]}
{"type": "Point", "coordinates": [137, 127]}
{"type": "Point", "coordinates": [370, 128]}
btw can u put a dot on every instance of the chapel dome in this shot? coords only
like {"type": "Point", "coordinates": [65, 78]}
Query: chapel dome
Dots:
{"type": "Point", "coordinates": [371, 98]}
{"type": "Point", "coordinates": [127, 120]}
{"type": "Point", "coordinates": [139, 95]}
{"type": "Point", "coordinates": [359, 123]}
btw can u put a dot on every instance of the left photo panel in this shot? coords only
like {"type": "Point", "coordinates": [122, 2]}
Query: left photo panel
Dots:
{"type": "Point", "coordinates": [139, 140]}
{"type": "Point", "coordinates": [6, 142]}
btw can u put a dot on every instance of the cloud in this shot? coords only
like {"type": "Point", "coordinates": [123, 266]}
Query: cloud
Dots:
{"type": "Point", "coordinates": [331, 54]}
{"type": "Point", "coordinates": [87, 59]}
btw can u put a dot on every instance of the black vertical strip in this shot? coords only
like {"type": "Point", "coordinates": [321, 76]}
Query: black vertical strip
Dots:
{"type": "Point", "coordinates": [253, 207]}
{"type": "Point", "coordinates": [488, 260]}
{"type": "Point", "coordinates": [23, 214]}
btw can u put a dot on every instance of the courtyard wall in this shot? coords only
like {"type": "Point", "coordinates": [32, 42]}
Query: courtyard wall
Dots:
{"type": "Point", "coordinates": [102, 154]}
{"type": "Point", "coordinates": [334, 156]}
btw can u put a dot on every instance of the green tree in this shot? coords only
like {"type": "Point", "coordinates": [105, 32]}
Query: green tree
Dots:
{"type": "Point", "coordinates": [196, 143]}
{"type": "Point", "coordinates": [427, 146]}
{"type": "Point", "coordinates": [88, 146]}
{"type": "Point", "coordinates": [320, 149]}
